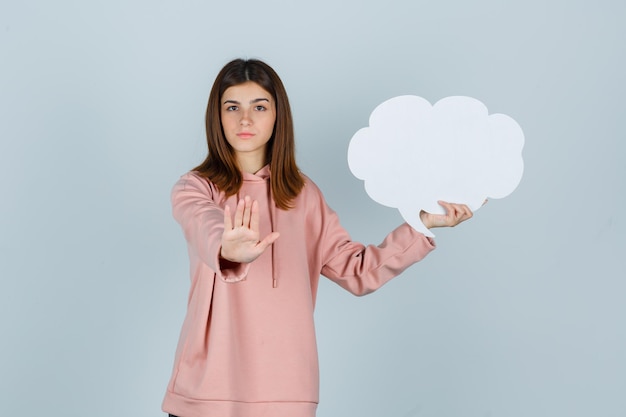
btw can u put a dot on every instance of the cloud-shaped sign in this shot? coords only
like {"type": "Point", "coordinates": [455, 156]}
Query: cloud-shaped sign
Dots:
{"type": "Point", "coordinates": [414, 154]}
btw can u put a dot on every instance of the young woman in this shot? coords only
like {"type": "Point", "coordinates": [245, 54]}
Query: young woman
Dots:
{"type": "Point", "coordinates": [259, 235]}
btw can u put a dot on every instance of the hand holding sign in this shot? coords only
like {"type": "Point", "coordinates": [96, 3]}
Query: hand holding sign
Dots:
{"type": "Point", "coordinates": [414, 154]}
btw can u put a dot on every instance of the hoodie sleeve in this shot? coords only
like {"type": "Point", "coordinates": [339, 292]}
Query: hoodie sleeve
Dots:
{"type": "Point", "coordinates": [363, 269]}
{"type": "Point", "coordinates": [202, 221]}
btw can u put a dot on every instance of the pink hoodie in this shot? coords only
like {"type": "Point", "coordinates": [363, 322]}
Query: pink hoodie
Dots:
{"type": "Point", "coordinates": [247, 346]}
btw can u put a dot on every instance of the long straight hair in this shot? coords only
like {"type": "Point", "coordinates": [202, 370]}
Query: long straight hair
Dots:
{"type": "Point", "coordinates": [220, 165]}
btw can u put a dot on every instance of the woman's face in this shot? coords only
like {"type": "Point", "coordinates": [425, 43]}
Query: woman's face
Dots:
{"type": "Point", "coordinates": [248, 114]}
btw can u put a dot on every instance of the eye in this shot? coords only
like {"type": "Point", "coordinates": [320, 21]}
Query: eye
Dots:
{"type": "Point", "coordinates": [232, 108]}
{"type": "Point", "coordinates": [260, 108]}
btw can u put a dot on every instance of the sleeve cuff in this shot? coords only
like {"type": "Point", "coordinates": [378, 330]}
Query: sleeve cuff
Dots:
{"type": "Point", "coordinates": [231, 271]}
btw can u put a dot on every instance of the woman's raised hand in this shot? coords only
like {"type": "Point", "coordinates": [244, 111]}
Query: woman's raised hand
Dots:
{"type": "Point", "coordinates": [455, 214]}
{"type": "Point", "coordinates": [241, 239]}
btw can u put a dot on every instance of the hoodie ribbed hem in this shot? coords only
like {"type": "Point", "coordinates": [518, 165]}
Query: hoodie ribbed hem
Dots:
{"type": "Point", "coordinates": [187, 407]}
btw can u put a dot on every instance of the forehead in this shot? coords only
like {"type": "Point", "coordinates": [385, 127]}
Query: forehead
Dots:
{"type": "Point", "coordinates": [246, 92]}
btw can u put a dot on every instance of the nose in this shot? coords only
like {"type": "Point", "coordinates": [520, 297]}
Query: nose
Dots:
{"type": "Point", "coordinates": [245, 119]}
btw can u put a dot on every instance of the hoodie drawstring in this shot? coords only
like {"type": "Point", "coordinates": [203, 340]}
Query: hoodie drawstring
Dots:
{"type": "Point", "coordinates": [272, 211]}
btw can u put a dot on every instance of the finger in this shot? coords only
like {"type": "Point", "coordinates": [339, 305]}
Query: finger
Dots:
{"type": "Point", "coordinates": [228, 223]}
{"type": "Point", "coordinates": [239, 213]}
{"type": "Point", "coordinates": [247, 211]}
{"type": "Point", "coordinates": [448, 207]}
{"type": "Point", "coordinates": [456, 209]}
{"type": "Point", "coordinates": [463, 212]}
{"type": "Point", "coordinates": [467, 211]}
{"type": "Point", "coordinates": [269, 239]}
{"type": "Point", "coordinates": [456, 213]}
{"type": "Point", "coordinates": [254, 217]}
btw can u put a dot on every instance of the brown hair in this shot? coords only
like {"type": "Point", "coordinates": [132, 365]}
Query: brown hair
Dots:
{"type": "Point", "coordinates": [220, 165]}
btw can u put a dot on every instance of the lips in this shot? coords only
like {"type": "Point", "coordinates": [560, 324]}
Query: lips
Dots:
{"type": "Point", "coordinates": [245, 135]}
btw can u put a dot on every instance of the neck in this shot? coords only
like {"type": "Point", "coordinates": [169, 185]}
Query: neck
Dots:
{"type": "Point", "coordinates": [251, 163]}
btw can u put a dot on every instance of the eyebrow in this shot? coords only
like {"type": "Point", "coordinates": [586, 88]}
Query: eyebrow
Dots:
{"type": "Point", "coordinates": [256, 100]}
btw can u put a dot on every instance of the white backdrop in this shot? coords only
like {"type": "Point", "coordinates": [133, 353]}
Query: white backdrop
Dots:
{"type": "Point", "coordinates": [519, 312]}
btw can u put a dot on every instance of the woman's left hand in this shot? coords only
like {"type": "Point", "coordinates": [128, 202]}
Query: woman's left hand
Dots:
{"type": "Point", "coordinates": [455, 214]}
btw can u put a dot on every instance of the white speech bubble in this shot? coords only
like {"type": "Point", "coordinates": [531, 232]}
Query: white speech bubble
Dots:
{"type": "Point", "coordinates": [414, 154]}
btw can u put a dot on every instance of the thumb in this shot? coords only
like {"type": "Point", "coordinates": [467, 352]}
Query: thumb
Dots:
{"type": "Point", "coordinates": [269, 239]}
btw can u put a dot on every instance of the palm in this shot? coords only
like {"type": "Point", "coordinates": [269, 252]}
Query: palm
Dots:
{"type": "Point", "coordinates": [241, 238]}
